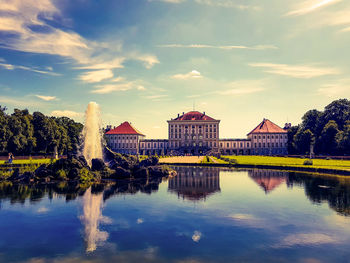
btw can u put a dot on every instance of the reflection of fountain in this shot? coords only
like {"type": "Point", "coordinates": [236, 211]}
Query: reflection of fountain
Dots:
{"type": "Point", "coordinates": [268, 179]}
{"type": "Point", "coordinates": [91, 218]}
{"type": "Point", "coordinates": [195, 183]}
{"type": "Point", "coordinates": [92, 147]}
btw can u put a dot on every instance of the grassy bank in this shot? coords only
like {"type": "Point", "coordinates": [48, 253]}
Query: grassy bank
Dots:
{"type": "Point", "coordinates": [27, 162]}
{"type": "Point", "coordinates": [289, 162]}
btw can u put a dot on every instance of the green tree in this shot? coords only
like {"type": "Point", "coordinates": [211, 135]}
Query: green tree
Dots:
{"type": "Point", "coordinates": [303, 140]}
{"type": "Point", "coordinates": [328, 139]}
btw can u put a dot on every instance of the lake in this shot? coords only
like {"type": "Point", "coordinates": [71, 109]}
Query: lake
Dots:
{"type": "Point", "coordinates": [202, 215]}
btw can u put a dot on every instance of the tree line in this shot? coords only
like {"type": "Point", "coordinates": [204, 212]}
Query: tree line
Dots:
{"type": "Point", "coordinates": [23, 133]}
{"type": "Point", "coordinates": [327, 131]}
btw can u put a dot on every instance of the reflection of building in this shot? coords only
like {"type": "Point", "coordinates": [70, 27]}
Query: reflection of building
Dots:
{"type": "Point", "coordinates": [195, 183]}
{"type": "Point", "coordinates": [268, 179]}
{"type": "Point", "coordinates": [197, 133]}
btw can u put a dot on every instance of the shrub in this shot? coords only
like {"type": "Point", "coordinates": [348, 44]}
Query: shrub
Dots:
{"type": "Point", "coordinates": [328, 158]}
{"type": "Point", "coordinates": [308, 162]}
{"type": "Point", "coordinates": [85, 175]}
{"type": "Point", "coordinates": [61, 174]}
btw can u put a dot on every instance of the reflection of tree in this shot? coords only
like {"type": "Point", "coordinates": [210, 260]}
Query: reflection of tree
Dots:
{"type": "Point", "coordinates": [319, 189]}
{"type": "Point", "coordinates": [195, 183]}
{"type": "Point", "coordinates": [267, 179]}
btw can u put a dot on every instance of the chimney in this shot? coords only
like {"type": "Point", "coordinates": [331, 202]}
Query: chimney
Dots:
{"type": "Point", "coordinates": [183, 113]}
{"type": "Point", "coordinates": [178, 115]}
{"type": "Point", "coordinates": [287, 126]}
{"type": "Point", "coordinates": [204, 113]}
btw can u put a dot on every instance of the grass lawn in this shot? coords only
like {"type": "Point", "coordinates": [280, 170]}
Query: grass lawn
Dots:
{"type": "Point", "coordinates": [290, 162]}
{"type": "Point", "coordinates": [27, 161]}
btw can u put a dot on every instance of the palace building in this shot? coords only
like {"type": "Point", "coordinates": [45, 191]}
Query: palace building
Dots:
{"type": "Point", "coordinates": [198, 134]}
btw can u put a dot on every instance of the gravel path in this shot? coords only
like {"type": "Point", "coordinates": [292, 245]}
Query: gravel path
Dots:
{"type": "Point", "coordinates": [182, 159]}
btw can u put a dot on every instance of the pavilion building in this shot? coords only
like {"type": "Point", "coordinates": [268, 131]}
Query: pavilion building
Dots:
{"type": "Point", "coordinates": [124, 139]}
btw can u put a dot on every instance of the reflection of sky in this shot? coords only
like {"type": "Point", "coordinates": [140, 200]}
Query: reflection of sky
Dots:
{"type": "Point", "coordinates": [241, 223]}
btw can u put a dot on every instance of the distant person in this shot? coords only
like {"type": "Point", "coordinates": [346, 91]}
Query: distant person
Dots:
{"type": "Point", "coordinates": [11, 158]}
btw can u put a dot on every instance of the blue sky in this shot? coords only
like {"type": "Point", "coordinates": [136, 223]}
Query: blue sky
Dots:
{"type": "Point", "coordinates": [145, 61]}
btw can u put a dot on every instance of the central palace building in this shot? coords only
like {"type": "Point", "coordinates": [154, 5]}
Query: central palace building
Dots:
{"type": "Point", "coordinates": [198, 134]}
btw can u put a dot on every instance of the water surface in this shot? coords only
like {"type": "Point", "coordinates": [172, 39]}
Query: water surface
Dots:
{"type": "Point", "coordinates": [202, 215]}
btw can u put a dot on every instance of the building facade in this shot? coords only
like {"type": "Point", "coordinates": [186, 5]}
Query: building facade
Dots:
{"type": "Point", "coordinates": [196, 133]}
{"type": "Point", "coordinates": [193, 133]}
{"type": "Point", "coordinates": [124, 139]}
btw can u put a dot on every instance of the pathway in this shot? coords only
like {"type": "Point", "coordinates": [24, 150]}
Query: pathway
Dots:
{"type": "Point", "coordinates": [182, 159]}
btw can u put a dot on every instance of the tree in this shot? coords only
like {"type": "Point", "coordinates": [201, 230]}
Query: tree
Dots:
{"type": "Point", "coordinates": [343, 140]}
{"type": "Point", "coordinates": [339, 111]}
{"type": "Point", "coordinates": [311, 121]}
{"type": "Point", "coordinates": [327, 141]}
{"type": "Point", "coordinates": [303, 140]}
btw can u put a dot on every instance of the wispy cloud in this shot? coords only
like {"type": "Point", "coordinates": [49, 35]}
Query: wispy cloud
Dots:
{"type": "Point", "coordinates": [307, 239]}
{"type": "Point", "coordinates": [13, 67]}
{"type": "Point", "coordinates": [66, 113]}
{"type": "Point", "coordinates": [168, 1]}
{"type": "Point", "coordinates": [118, 84]}
{"type": "Point", "coordinates": [243, 87]}
{"type": "Point", "coordinates": [46, 98]}
{"type": "Point", "coordinates": [19, 102]}
{"type": "Point", "coordinates": [296, 71]}
{"type": "Point", "coordinates": [227, 4]}
{"type": "Point", "coordinates": [194, 74]}
{"type": "Point", "coordinates": [152, 97]}
{"type": "Point", "coordinates": [336, 89]}
{"type": "Point", "coordinates": [309, 6]}
{"type": "Point", "coordinates": [18, 17]}
{"type": "Point", "coordinates": [224, 47]}
{"type": "Point", "coordinates": [96, 76]}
{"type": "Point", "coordinates": [108, 88]}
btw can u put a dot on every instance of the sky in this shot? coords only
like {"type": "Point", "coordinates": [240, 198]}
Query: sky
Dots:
{"type": "Point", "coordinates": [145, 61]}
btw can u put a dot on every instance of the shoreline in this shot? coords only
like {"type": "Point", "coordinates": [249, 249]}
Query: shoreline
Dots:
{"type": "Point", "coordinates": [325, 171]}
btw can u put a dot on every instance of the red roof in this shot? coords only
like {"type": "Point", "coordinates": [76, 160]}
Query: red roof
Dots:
{"type": "Point", "coordinates": [194, 116]}
{"type": "Point", "coordinates": [267, 126]}
{"type": "Point", "coordinates": [124, 128]}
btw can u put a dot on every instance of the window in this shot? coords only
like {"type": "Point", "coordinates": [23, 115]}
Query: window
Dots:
{"type": "Point", "coordinates": [228, 145]}
{"type": "Point", "coordinates": [241, 145]}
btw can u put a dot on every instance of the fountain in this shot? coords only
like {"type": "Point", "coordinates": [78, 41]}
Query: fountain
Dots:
{"type": "Point", "coordinates": [92, 138]}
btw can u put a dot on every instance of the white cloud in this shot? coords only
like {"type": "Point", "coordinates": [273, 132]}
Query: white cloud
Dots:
{"type": "Point", "coordinates": [296, 71]}
{"type": "Point", "coordinates": [17, 17]}
{"type": "Point", "coordinates": [42, 210]}
{"type": "Point", "coordinates": [140, 87]}
{"type": "Point", "coordinates": [19, 102]}
{"type": "Point", "coordinates": [227, 47]}
{"type": "Point", "coordinates": [139, 221]}
{"type": "Point", "coordinates": [308, 239]}
{"type": "Point", "coordinates": [309, 6]}
{"type": "Point", "coordinates": [66, 113]}
{"type": "Point", "coordinates": [227, 4]}
{"type": "Point", "coordinates": [169, 1]}
{"type": "Point", "coordinates": [194, 74]}
{"type": "Point", "coordinates": [96, 76]}
{"type": "Point", "coordinates": [46, 98]}
{"type": "Point", "coordinates": [108, 88]}
{"type": "Point", "coordinates": [336, 89]}
{"type": "Point", "coordinates": [196, 236]}
{"type": "Point", "coordinates": [148, 60]}
{"type": "Point", "coordinates": [241, 87]}
{"type": "Point", "coordinates": [152, 97]}
{"type": "Point", "coordinates": [13, 67]}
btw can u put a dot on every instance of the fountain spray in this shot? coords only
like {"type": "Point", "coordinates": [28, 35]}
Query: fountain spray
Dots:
{"type": "Point", "coordinates": [92, 145]}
